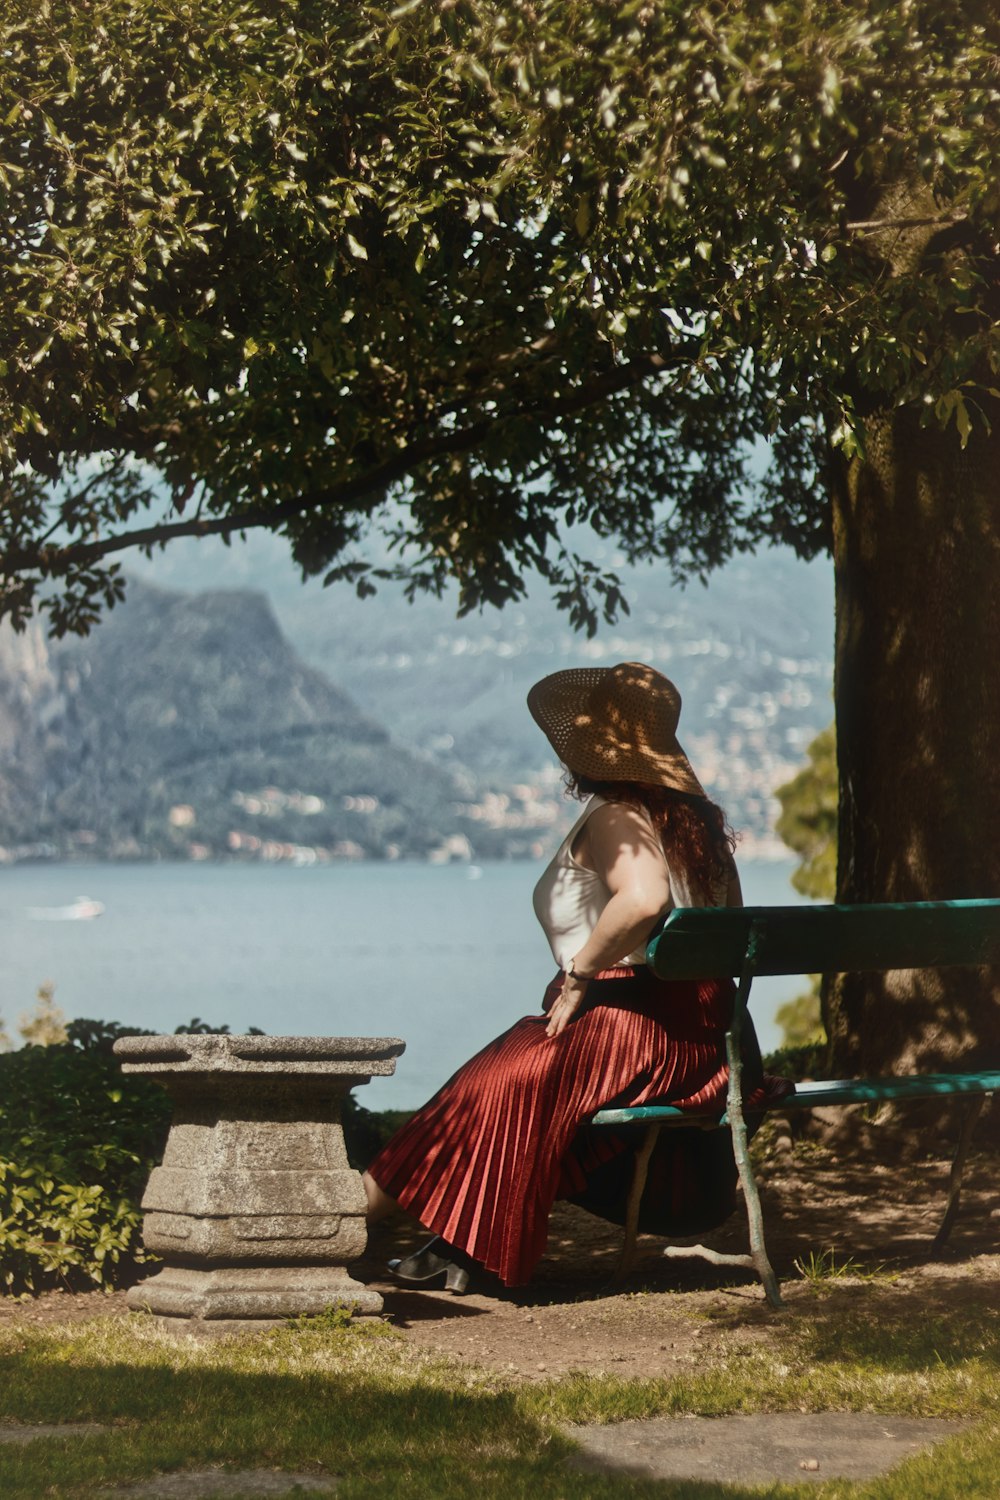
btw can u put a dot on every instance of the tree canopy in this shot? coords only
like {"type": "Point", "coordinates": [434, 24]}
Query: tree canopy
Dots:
{"type": "Point", "coordinates": [474, 272]}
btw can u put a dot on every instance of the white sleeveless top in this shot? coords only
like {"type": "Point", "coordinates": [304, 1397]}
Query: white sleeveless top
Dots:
{"type": "Point", "coordinates": [569, 898]}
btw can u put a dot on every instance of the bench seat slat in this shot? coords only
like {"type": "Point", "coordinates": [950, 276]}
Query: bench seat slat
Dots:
{"type": "Point", "coordinates": [813, 1094]}
{"type": "Point", "coordinates": [663, 1114]}
{"type": "Point", "coordinates": [865, 1090]}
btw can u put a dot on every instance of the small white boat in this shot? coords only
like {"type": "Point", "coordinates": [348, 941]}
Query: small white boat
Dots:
{"type": "Point", "coordinates": [83, 909]}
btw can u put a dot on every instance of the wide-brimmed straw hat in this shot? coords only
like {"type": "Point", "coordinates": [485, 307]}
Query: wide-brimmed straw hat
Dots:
{"type": "Point", "coordinates": [615, 724]}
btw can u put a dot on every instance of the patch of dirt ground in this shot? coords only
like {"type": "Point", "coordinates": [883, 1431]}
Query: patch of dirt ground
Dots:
{"type": "Point", "coordinates": [664, 1314]}
{"type": "Point", "coordinates": [667, 1313]}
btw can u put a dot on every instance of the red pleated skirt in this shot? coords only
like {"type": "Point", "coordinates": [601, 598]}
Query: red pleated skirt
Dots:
{"type": "Point", "coordinates": [482, 1163]}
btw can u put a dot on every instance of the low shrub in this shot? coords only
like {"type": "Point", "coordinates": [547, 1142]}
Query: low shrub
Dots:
{"type": "Point", "coordinates": [804, 1060]}
{"type": "Point", "coordinates": [366, 1131]}
{"type": "Point", "coordinates": [77, 1143]}
{"type": "Point", "coordinates": [55, 1231]}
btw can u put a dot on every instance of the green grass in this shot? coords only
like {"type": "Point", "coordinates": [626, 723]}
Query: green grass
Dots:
{"type": "Point", "coordinates": [359, 1402]}
{"type": "Point", "coordinates": [822, 1265]}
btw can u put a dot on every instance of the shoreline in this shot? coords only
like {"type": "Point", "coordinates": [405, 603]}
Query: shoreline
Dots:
{"type": "Point", "coordinates": [760, 849]}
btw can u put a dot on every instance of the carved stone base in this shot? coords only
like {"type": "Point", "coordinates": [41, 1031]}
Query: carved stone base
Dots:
{"type": "Point", "coordinates": [251, 1292]}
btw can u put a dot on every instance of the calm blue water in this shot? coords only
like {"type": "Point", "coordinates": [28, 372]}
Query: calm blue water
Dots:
{"type": "Point", "coordinates": [423, 952]}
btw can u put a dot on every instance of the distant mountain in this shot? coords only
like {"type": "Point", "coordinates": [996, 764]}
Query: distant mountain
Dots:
{"type": "Point", "coordinates": [751, 653]}
{"type": "Point", "coordinates": [208, 723]}
{"type": "Point", "coordinates": [188, 726]}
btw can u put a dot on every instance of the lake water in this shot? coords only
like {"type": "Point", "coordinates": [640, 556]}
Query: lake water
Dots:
{"type": "Point", "coordinates": [439, 955]}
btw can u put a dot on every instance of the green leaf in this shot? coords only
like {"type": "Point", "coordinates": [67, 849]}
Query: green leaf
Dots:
{"type": "Point", "coordinates": [962, 420]}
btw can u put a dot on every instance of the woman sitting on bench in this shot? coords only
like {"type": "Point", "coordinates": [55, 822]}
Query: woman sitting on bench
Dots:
{"type": "Point", "coordinates": [482, 1163]}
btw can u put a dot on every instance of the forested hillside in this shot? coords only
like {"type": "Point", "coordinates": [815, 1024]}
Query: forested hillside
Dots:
{"type": "Point", "coordinates": [187, 726]}
{"type": "Point", "coordinates": [751, 654]}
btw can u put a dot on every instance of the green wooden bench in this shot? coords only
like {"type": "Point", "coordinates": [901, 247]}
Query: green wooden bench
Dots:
{"type": "Point", "coordinates": [743, 942]}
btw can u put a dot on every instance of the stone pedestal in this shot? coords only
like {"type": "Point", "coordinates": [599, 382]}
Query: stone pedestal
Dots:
{"type": "Point", "coordinates": [255, 1211]}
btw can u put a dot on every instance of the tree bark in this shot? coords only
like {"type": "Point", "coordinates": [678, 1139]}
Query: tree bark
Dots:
{"type": "Point", "coordinates": [916, 527]}
{"type": "Point", "coordinates": [917, 686]}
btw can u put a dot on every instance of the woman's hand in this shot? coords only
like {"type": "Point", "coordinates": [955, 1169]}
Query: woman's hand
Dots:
{"type": "Point", "coordinates": [571, 997]}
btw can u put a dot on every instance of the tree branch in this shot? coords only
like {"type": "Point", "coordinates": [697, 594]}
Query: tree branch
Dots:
{"type": "Point", "coordinates": [863, 225]}
{"type": "Point", "coordinates": [376, 480]}
{"type": "Point", "coordinates": [70, 503]}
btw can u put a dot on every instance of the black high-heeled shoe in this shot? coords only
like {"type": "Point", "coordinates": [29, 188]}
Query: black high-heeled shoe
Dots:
{"type": "Point", "coordinates": [427, 1269]}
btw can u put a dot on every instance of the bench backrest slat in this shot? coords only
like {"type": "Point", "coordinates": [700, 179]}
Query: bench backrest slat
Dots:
{"type": "Point", "coordinates": [711, 942]}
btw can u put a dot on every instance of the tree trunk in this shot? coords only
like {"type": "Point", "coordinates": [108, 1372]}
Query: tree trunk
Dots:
{"type": "Point", "coordinates": [917, 685]}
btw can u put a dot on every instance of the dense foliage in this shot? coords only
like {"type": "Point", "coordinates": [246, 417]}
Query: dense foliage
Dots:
{"type": "Point", "coordinates": [808, 825]}
{"type": "Point", "coordinates": [77, 1142]}
{"type": "Point", "coordinates": [511, 265]}
{"type": "Point", "coordinates": [808, 819]}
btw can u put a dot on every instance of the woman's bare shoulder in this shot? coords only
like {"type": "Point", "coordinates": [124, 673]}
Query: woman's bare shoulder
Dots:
{"type": "Point", "coordinates": [621, 822]}
{"type": "Point", "coordinates": [609, 811]}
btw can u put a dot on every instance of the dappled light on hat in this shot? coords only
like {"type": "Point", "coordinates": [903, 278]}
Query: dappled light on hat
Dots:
{"type": "Point", "coordinates": [615, 724]}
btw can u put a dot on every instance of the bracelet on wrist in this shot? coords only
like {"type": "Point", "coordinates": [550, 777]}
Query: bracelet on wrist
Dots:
{"type": "Point", "coordinates": [573, 973]}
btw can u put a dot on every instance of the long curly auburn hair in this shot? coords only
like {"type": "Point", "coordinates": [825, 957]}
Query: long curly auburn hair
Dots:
{"type": "Point", "coordinates": [690, 827]}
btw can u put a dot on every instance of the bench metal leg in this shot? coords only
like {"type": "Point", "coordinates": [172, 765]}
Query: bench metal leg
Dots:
{"type": "Point", "coordinates": [757, 1259]}
{"type": "Point", "coordinates": [751, 1197]}
{"type": "Point", "coordinates": [972, 1114]}
{"type": "Point", "coordinates": [738, 1127]}
{"type": "Point", "coordinates": [639, 1173]}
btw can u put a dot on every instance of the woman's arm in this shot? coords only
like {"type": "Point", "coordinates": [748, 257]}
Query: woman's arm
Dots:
{"type": "Point", "coordinates": [620, 845]}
